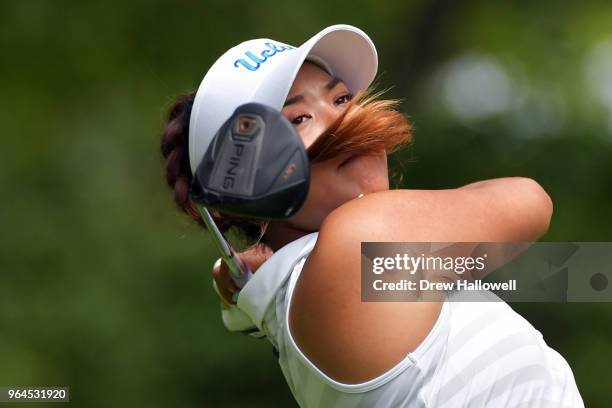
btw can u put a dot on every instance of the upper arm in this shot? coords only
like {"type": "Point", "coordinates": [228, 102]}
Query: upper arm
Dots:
{"type": "Point", "coordinates": [349, 340]}
{"type": "Point", "coordinates": [354, 341]}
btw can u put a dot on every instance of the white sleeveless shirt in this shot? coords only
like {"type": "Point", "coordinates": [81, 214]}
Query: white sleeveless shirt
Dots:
{"type": "Point", "coordinates": [478, 354]}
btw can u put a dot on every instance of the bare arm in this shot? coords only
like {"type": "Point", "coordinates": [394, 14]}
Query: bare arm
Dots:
{"type": "Point", "coordinates": [354, 341]}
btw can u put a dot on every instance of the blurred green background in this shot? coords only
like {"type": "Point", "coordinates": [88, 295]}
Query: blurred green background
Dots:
{"type": "Point", "coordinates": [105, 287]}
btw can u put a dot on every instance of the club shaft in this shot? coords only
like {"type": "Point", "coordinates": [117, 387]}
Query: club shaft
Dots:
{"type": "Point", "coordinates": [239, 271]}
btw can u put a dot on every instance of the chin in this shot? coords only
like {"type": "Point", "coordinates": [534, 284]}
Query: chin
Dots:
{"type": "Point", "coordinates": [368, 173]}
{"type": "Point", "coordinates": [373, 186]}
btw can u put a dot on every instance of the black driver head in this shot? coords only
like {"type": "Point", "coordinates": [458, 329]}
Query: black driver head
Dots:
{"type": "Point", "coordinates": [256, 166]}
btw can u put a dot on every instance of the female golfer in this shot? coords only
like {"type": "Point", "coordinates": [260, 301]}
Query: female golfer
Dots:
{"type": "Point", "coordinates": [334, 349]}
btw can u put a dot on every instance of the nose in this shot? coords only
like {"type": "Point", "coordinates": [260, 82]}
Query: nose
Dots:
{"type": "Point", "coordinates": [324, 115]}
{"type": "Point", "coordinates": [328, 114]}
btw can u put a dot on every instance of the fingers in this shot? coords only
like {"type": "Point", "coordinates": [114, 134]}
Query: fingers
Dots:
{"type": "Point", "coordinates": [225, 284]}
{"type": "Point", "coordinates": [253, 257]}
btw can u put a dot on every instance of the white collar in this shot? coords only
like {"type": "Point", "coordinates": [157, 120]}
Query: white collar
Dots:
{"type": "Point", "coordinates": [260, 290]}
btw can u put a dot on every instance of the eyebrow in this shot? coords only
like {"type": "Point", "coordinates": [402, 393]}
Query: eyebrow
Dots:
{"type": "Point", "coordinates": [299, 97]}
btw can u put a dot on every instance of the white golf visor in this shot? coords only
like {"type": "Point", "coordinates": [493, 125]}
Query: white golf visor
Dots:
{"type": "Point", "coordinates": [263, 70]}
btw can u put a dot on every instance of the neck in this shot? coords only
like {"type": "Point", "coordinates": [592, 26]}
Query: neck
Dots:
{"type": "Point", "coordinates": [279, 233]}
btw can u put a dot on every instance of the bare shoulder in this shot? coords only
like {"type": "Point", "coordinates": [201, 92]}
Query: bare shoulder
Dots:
{"type": "Point", "coordinates": [349, 340]}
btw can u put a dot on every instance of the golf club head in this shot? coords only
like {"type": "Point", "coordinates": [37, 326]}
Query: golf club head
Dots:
{"type": "Point", "coordinates": [256, 166]}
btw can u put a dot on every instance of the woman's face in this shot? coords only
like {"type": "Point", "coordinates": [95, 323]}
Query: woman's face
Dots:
{"type": "Point", "coordinates": [314, 101]}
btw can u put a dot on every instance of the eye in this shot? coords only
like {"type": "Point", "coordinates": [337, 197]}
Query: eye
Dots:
{"type": "Point", "coordinates": [299, 119]}
{"type": "Point", "coordinates": [344, 99]}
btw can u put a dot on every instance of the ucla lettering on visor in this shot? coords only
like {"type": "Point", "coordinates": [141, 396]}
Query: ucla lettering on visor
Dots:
{"type": "Point", "coordinates": [252, 62]}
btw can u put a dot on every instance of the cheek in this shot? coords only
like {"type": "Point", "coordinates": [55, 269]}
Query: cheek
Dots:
{"type": "Point", "coordinates": [326, 193]}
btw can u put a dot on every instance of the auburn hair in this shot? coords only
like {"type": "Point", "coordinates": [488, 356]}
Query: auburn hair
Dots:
{"type": "Point", "coordinates": [368, 125]}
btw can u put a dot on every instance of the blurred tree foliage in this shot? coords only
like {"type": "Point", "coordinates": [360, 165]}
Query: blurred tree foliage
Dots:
{"type": "Point", "coordinates": [105, 287]}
